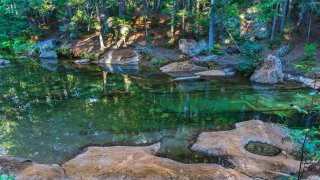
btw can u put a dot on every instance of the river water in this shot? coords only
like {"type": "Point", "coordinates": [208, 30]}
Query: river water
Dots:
{"type": "Point", "coordinates": [50, 110]}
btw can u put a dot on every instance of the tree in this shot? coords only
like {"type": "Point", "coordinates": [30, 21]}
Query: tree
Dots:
{"type": "Point", "coordinates": [211, 27]}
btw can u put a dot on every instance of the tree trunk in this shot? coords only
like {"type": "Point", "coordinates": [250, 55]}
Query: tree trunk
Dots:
{"type": "Point", "coordinates": [173, 18]}
{"type": "Point", "coordinates": [211, 28]}
{"type": "Point", "coordinates": [290, 8]}
{"type": "Point", "coordinates": [102, 46]}
{"type": "Point", "coordinates": [274, 21]}
{"type": "Point", "coordinates": [121, 8]}
{"type": "Point", "coordinates": [309, 28]}
{"type": "Point", "coordinates": [105, 16]}
{"type": "Point", "coordinates": [145, 16]}
{"type": "Point", "coordinates": [283, 16]}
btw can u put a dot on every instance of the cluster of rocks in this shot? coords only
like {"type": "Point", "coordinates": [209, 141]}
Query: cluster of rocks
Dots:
{"type": "Point", "coordinates": [4, 62]}
{"type": "Point", "coordinates": [45, 50]}
{"type": "Point", "coordinates": [125, 162]}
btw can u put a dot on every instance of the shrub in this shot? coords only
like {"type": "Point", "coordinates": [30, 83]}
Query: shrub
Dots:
{"type": "Point", "coordinates": [157, 61]}
{"type": "Point", "coordinates": [252, 49]}
{"type": "Point", "coordinates": [310, 50]}
{"type": "Point", "coordinates": [217, 49]}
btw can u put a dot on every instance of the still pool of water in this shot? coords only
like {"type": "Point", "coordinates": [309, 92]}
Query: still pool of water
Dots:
{"type": "Point", "coordinates": [49, 110]}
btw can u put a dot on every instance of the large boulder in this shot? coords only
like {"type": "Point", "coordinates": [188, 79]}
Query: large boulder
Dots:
{"type": "Point", "coordinates": [191, 47]}
{"type": "Point", "coordinates": [261, 30]}
{"type": "Point", "coordinates": [44, 50]}
{"type": "Point", "coordinates": [121, 57]}
{"type": "Point", "coordinates": [269, 72]}
{"type": "Point", "coordinates": [233, 144]}
{"type": "Point", "coordinates": [283, 51]}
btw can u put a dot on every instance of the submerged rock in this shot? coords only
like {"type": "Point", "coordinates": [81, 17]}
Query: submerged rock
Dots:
{"type": "Point", "coordinates": [191, 47]}
{"type": "Point", "coordinates": [124, 162]}
{"type": "Point", "coordinates": [269, 72]}
{"type": "Point", "coordinates": [121, 57]}
{"type": "Point", "coordinates": [232, 144]}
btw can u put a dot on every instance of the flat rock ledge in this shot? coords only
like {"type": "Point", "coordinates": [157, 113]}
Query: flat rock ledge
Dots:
{"type": "Point", "coordinates": [232, 145]}
{"type": "Point", "coordinates": [120, 162]}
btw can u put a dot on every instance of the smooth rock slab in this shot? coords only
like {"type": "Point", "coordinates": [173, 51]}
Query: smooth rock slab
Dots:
{"type": "Point", "coordinates": [181, 67]}
{"type": "Point", "coordinates": [124, 162]}
{"type": "Point", "coordinates": [214, 73]}
{"type": "Point", "coordinates": [140, 163]}
{"type": "Point", "coordinates": [232, 144]}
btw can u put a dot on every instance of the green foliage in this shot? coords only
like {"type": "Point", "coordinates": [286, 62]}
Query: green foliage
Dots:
{"type": "Point", "coordinates": [247, 67]}
{"type": "Point", "coordinates": [157, 61]}
{"type": "Point", "coordinates": [252, 49]}
{"type": "Point", "coordinates": [310, 50]}
{"type": "Point", "coordinates": [217, 49]}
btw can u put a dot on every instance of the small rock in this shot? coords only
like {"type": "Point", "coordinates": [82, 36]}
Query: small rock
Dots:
{"type": "Point", "coordinates": [82, 61]}
{"type": "Point", "coordinates": [191, 47]}
{"type": "Point", "coordinates": [204, 59]}
{"type": "Point", "coordinates": [232, 50]}
{"type": "Point", "coordinates": [283, 51]}
{"type": "Point", "coordinates": [249, 16]}
{"type": "Point", "coordinates": [269, 72]}
{"type": "Point", "coordinates": [212, 73]}
{"type": "Point", "coordinates": [1, 57]}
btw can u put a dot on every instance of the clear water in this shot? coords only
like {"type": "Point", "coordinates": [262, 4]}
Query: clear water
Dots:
{"type": "Point", "coordinates": [50, 110]}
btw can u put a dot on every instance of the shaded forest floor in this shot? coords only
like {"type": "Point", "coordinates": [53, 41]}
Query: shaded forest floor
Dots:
{"type": "Point", "coordinates": [159, 38]}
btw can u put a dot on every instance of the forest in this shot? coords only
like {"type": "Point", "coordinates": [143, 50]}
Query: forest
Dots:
{"type": "Point", "coordinates": [160, 89]}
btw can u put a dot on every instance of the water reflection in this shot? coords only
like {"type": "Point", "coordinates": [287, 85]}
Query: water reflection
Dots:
{"type": "Point", "coordinates": [48, 115]}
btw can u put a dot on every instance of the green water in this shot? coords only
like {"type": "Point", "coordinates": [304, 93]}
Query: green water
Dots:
{"type": "Point", "coordinates": [50, 110]}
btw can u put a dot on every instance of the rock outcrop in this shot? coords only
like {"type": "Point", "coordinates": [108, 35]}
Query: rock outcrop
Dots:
{"type": "Point", "coordinates": [261, 30]}
{"type": "Point", "coordinates": [44, 50]}
{"type": "Point", "coordinates": [120, 162]}
{"type": "Point", "coordinates": [4, 62]}
{"type": "Point", "coordinates": [283, 51]}
{"type": "Point", "coordinates": [121, 57]}
{"type": "Point", "coordinates": [191, 47]}
{"type": "Point", "coordinates": [232, 144]}
{"type": "Point", "coordinates": [269, 72]}
{"type": "Point", "coordinates": [178, 68]}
